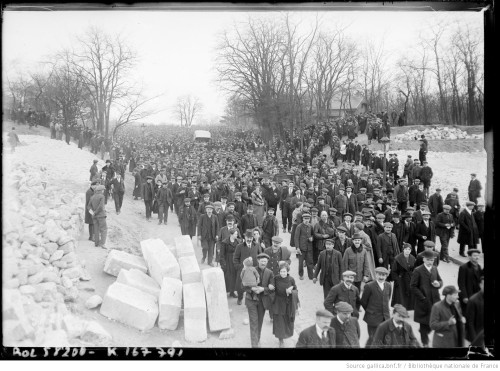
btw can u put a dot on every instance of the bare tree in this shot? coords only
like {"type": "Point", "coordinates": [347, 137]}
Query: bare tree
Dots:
{"type": "Point", "coordinates": [186, 109]}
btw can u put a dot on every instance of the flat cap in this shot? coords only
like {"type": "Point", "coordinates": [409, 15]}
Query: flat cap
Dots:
{"type": "Point", "coordinates": [149, 177]}
{"type": "Point", "coordinates": [277, 239]}
{"type": "Point", "coordinates": [349, 273]}
{"type": "Point", "coordinates": [446, 207]}
{"type": "Point", "coordinates": [438, 189]}
{"type": "Point", "coordinates": [314, 209]}
{"type": "Point", "coordinates": [472, 251]}
{"type": "Point", "coordinates": [398, 308]}
{"type": "Point", "coordinates": [473, 174]}
{"type": "Point", "coordinates": [347, 214]}
{"type": "Point", "coordinates": [248, 233]}
{"type": "Point", "coordinates": [324, 313]}
{"type": "Point", "coordinates": [427, 254]}
{"type": "Point", "coordinates": [332, 209]}
{"type": "Point", "coordinates": [429, 244]}
{"type": "Point", "coordinates": [237, 194]}
{"type": "Point", "coordinates": [217, 204]}
{"type": "Point", "coordinates": [381, 270]}
{"type": "Point", "coordinates": [342, 229]}
{"type": "Point", "coordinates": [262, 255]}
{"type": "Point", "coordinates": [380, 216]}
{"type": "Point", "coordinates": [330, 240]}
{"type": "Point", "coordinates": [187, 199]}
{"type": "Point", "coordinates": [356, 236]}
{"type": "Point", "coordinates": [425, 212]}
{"type": "Point", "coordinates": [387, 224]}
{"type": "Point", "coordinates": [209, 206]}
{"type": "Point", "coordinates": [343, 307]}
{"type": "Point", "coordinates": [470, 203]}
{"type": "Point", "coordinates": [306, 216]}
{"type": "Point", "coordinates": [450, 290]}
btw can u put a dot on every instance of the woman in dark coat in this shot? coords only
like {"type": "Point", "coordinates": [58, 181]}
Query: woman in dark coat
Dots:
{"type": "Point", "coordinates": [226, 261]}
{"type": "Point", "coordinates": [402, 269]}
{"type": "Point", "coordinates": [283, 306]}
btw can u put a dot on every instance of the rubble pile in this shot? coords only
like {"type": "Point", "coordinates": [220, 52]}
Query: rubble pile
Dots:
{"type": "Point", "coordinates": [41, 271]}
{"type": "Point", "coordinates": [436, 133]}
{"type": "Point", "coordinates": [156, 287]}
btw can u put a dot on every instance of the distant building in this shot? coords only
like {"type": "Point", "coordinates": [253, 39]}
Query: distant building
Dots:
{"type": "Point", "coordinates": [341, 106]}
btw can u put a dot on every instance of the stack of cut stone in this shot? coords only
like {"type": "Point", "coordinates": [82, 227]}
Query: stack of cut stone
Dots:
{"type": "Point", "coordinates": [436, 133]}
{"type": "Point", "coordinates": [161, 283]}
{"type": "Point", "coordinates": [40, 268]}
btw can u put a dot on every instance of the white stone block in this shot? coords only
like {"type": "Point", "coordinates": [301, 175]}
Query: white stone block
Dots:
{"type": "Point", "coordinates": [217, 306]}
{"type": "Point", "coordinates": [160, 260]}
{"type": "Point", "coordinates": [130, 306]}
{"type": "Point", "coordinates": [117, 260]}
{"type": "Point", "coordinates": [140, 280]}
{"type": "Point", "coordinates": [190, 270]}
{"type": "Point", "coordinates": [183, 246]}
{"type": "Point", "coordinates": [170, 303]}
{"type": "Point", "coordinates": [195, 312]}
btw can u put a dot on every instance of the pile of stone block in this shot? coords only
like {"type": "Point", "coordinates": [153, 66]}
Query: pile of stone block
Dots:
{"type": "Point", "coordinates": [436, 133]}
{"type": "Point", "coordinates": [41, 272]}
{"type": "Point", "coordinates": [159, 286]}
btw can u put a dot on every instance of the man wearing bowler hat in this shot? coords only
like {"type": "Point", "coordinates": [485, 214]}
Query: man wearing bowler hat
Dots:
{"type": "Point", "coordinates": [395, 332]}
{"type": "Point", "coordinates": [425, 284]}
{"type": "Point", "coordinates": [256, 304]}
{"type": "Point", "coordinates": [319, 335]}
{"type": "Point", "coordinates": [346, 327]}
{"type": "Point", "coordinates": [447, 321]}
{"type": "Point", "coordinates": [474, 188]}
{"type": "Point", "coordinates": [376, 302]}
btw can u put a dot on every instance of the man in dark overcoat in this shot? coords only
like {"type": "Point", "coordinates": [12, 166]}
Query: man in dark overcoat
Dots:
{"type": "Point", "coordinates": [387, 246]}
{"type": "Point", "coordinates": [468, 233]}
{"type": "Point", "coordinates": [346, 328]}
{"type": "Point", "coordinates": [376, 302]}
{"type": "Point", "coordinates": [445, 230]}
{"type": "Point", "coordinates": [88, 217]}
{"type": "Point", "coordinates": [319, 335]}
{"type": "Point", "coordinates": [474, 188]}
{"type": "Point", "coordinates": [409, 232]}
{"type": "Point", "coordinates": [286, 207]}
{"type": "Point", "coordinates": [469, 278]}
{"type": "Point", "coordinates": [148, 195]}
{"type": "Point", "coordinates": [344, 291]}
{"type": "Point", "coordinates": [395, 332]}
{"type": "Point", "coordinates": [435, 204]}
{"type": "Point", "coordinates": [164, 198]}
{"type": "Point", "coordinates": [303, 242]}
{"type": "Point", "coordinates": [425, 284]}
{"type": "Point", "coordinates": [208, 227]}
{"type": "Point", "coordinates": [256, 304]}
{"type": "Point", "coordinates": [447, 321]}
{"type": "Point", "coordinates": [425, 231]}
{"type": "Point", "coordinates": [331, 267]}
{"type": "Point", "coordinates": [475, 313]}
{"type": "Point", "coordinates": [187, 218]}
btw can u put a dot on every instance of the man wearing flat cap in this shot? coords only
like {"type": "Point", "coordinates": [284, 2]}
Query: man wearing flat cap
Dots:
{"type": "Point", "coordinates": [148, 195]}
{"type": "Point", "coordinates": [356, 259]}
{"type": "Point", "coordinates": [425, 231]}
{"type": "Point", "coordinates": [277, 253]}
{"type": "Point", "coordinates": [346, 327]}
{"type": "Point", "coordinates": [287, 193]}
{"type": "Point", "coordinates": [425, 284]}
{"type": "Point", "coordinates": [88, 216]}
{"type": "Point", "coordinates": [435, 204]}
{"type": "Point", "coordinates": [208, 226]}
{"type": "Point", "coordinates": [447, 321]}
{"type": "Point", "coordinates": [474, 188]}
{"type": "Point", "coordinates": [331, 267]}
{"type": "Point", "coordinates": [342, 242]}
{"type": "Point", "coordinates": [344, 291]}
{"type": "Point", "coordinates": [303, 243]}
{"type": "Point", "coordinates": [248, 248]}
{"type": "Point", "coordinates": [376, 302]}
{"type": "Point", "coordinates": [469, 278]}
{"type": "Point", "coordinates": [270, 227]}
{"type": "Point", "coordinates": [395, 332]}
{"type": "Point", "coordinates": [165, 199]}
{"type": "Point", "coordinates": [468, 233]}
{"type": "Point", "coordinates": [319, 335]}
{"type": "Point", "coordinates": [96, 207]}
{"type": "Point", "coordinates": [445, 230]}
{"type": "Point", "coordinates": [187, 218]}
{"type": "Point", "coordinates": [260, 301]}
{"type": "Point", "coordinates": [387, 247]}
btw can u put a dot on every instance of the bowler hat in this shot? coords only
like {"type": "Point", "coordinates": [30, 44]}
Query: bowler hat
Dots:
{"type": "Point", "coordinates": [347, 214]}
{"type": "Point", "coordinates": [472, 251]}
{"type": "Point", "coordinates": [427, 254]}
{"type": "Point", "coordinates": [248, 233]}
{"type": "Point", "coordinates": [342, 229]}
{"type": "Point", "coordinates": [429, 244]}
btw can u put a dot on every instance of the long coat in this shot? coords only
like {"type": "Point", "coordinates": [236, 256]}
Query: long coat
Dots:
{"type": "Point", "coordinates": [226, 263]}
{"type": "Point", "coordinates": [387, 247]}
{"type": "Point", "coordinates": [340, 292]}
{"type": "Point", "coordinates": [376, 303]}
{"type": "Point", "coordinates": [321, 228]}
{"type": "Point", "coordinates": [336, 263]}
{"type": "Point", "coordinates": [207, 229]}
{"type": "Point", "coordinates": [187, 220]}
{"type": "Point", "coordinates": [302, 234]}
{"type": "Point", "coordinates": [309, 338]}
{"type": "Point", "coordinates": [88, 195]}
{"type": "Point", "coordinates": [475, 316]}
{"type": "Point", "coordinates": [445, 335]}
{"type": "Point", "coordinates": [351, 204]}
{"type": "Point", "coordinates": [386, 336]}
{"type": "Point", "coordinates": [138, 185]}
{"type": "Point", "coordinates": [468, 282]}
{"type": "Point", "coordinates": [401, 272]}
{"type": "Point", "coordinates": [425, 293]}
{"type": "Point", "coordinates": [422, 230]}
{"type": "Point", "coordinates": [347, 334]}
{"type": "Point", "coordinates": [468, 233]}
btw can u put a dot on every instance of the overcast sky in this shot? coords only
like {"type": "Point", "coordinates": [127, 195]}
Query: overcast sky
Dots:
{"type": "Point", "coordinates": [176, 49]}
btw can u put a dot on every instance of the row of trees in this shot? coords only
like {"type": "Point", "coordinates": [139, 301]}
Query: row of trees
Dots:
{"type": "Point", "coordinates": [90, 84]}
{"type": "Point", "coordinates": [278, 75]}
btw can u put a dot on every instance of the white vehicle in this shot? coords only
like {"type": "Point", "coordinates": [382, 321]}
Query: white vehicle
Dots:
{"type": "Point", "coordinates": [202, 136]}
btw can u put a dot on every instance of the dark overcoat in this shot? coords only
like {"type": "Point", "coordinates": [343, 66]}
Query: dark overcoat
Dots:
{"type": "Point", "coordinates": [401, 272]}
{"type": "Point", "coordinates": [446, 335]}
{"type": "Point", "coordinates": [376, 303]}
{"type": "Point", "coordinates": [347, 334]}
{"type": "Point", "coordinates": [424, 292]}
{"type": "Point", "coordinates": [337, 267]}
{"type": "Point", "coordinates": [88, 195]}
{"type": "Point", "coordinates": [309, 338]}
{"type": "Point", "coordinates": [468, 233]}
{"type": "Point", "coordinates": [386, 337]}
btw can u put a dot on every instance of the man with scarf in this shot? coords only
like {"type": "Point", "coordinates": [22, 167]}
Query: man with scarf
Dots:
{"type": "Point", "coordinates": [355, 259]}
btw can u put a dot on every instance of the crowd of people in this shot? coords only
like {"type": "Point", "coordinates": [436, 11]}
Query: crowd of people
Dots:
{"type": "Point", "coordinates": [371, 243]}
